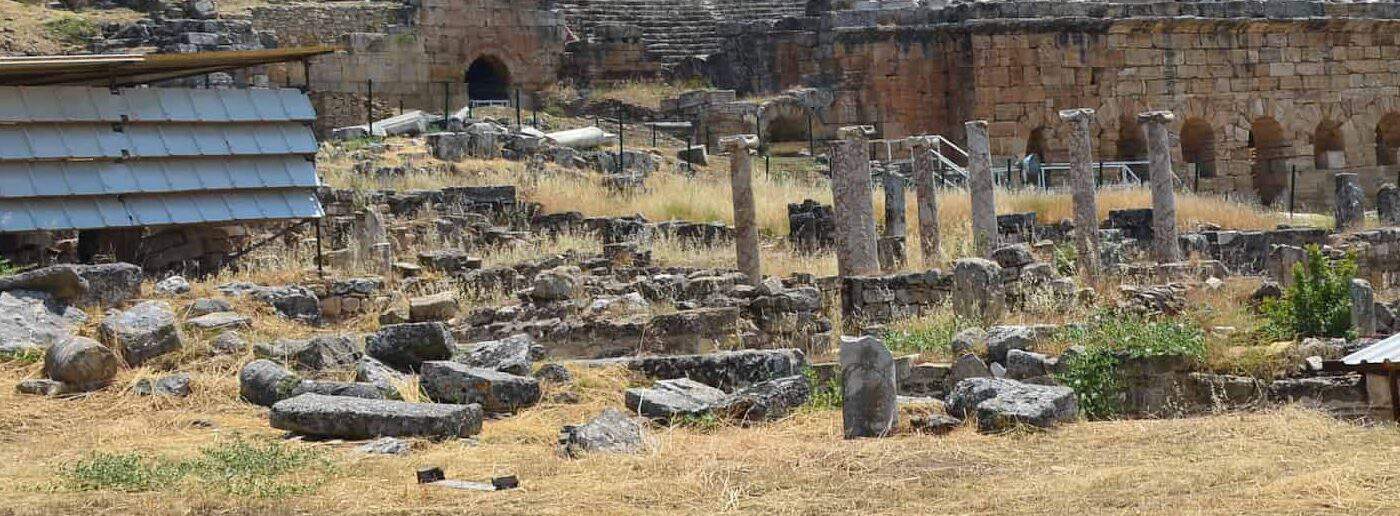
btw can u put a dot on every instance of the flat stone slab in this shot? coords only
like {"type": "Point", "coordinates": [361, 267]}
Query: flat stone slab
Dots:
{"type": "Point", "coordinates": [728, 370]}
{"type": "Point", "coordinates": [359, 418]}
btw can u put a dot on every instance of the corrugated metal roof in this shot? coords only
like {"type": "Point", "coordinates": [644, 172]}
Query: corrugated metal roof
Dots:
{"type": "Point", "coordinates": [1387, 350]}
{"type": "Point", "coordinates": [84, 158]}
{"type": "Point", "coordinates": [84, 104]}
{"type": "Point", "coordinates": [89, 212]}
{"type": "Point", "coordinates": [89, 141]}
{"type": "Point", "coordinates": [133, 69]}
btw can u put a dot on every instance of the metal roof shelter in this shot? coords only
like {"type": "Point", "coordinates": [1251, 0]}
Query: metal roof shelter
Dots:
{"type": "Point", "coordinates": [82, 148]}
{"type": "Point", "coordinates": [1382, 359]}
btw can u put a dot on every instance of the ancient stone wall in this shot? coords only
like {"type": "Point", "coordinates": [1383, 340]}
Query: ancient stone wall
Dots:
{"type": "Point", "coordinates": [324, 23]}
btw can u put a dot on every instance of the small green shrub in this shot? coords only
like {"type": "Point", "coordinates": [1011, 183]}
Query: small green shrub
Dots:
{"type": "Point", "coordinates": [1110, 336]}
{"type": "Point", "coordinates": [24, 356]}
{"type": "Point", "coordinates": [7, 268]}
{"type": "Point", "coordinates": [926, 334]}
{"type": "Point", "coordinates": [236, 467]}
{"type": "Point", "coordinates": [1318, 303]}
{"type": "Point", "coordinates": [1066, 259]}
{"type": "Point", "coordinates": [72, 29]}
{"type": "Point", "coordinates": [826, 395]}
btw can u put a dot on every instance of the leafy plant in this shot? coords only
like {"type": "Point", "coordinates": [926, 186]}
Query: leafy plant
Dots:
{"type": "Point", "coordinates": [130, 472]}
{"type": "Point", "coordinates": [7, 268]}
{"type": "Point", "coordinates": [826, 395]}
{"type": "Point", "coordinates": [1318, 303]}
{"type": "Point", "coordinates": [1111, 336]}
{"type": "Point", "coordinates": [237, 467]}
{"type": "Point", "coordinates": [1066, 258]}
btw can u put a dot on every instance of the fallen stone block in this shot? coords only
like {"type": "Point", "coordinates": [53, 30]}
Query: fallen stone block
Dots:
{"type": "Point", "coordinates": [369, 370]}
{"type": "Point", "coordinates": [725, 370]}
{"type": "Point", "coordinates": [82, 364]}
{"type": "Point", "coordinates": [668, 400]}
{"type": "Point", "coordinates": [359, 418]}
{"type": "Point", "coordinates": [220, 321]}
{"type": "Point", "coordinates": [437, 307]}
{"type": "Point", "coordinates": [1001, 404]}
{"type": "Point", "coordinates": [30, 322]}
{"type": "Point", "coordinates": [509, 355]}
{"type": "Point", "coordinates": [364, 390]}
{"type": "Point", "coordinates": [451, 382]}
{"type": "Point", "coordinates": [610, 432]}
{"type": "Point", "coordinates": [109, 284]}
{"type": "Point", "coordinates": [315, 354]}
{"type": "Point", "coordinates": [406, 346]}
{"type": "Point", "coordinates": [263, 382]}
{"type": "Point", "coordinates": [175, 386]}
{"type": "Point", "coordinates": [142, 332]}
{"type": "Point", "coordinates": [768, 401]}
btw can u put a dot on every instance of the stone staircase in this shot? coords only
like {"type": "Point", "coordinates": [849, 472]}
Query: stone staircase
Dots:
{"type": "Point", "coordinates": [674, 30]}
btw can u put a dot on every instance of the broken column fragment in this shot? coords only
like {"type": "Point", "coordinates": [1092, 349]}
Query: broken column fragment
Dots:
{"type": "Point", "coordinates": [856, 254]}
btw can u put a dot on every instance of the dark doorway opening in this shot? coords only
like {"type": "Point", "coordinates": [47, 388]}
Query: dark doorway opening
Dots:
{"type": "Point", "coordinates": [488, 79]}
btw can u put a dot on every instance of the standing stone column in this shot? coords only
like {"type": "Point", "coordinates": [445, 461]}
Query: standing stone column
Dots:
{"type": "Point", "coordinates": [1388, 204]}
{"type": "Point", "coordinates": [870, 407]}
{"type": "Point", "coordinates": [1159, 154]}
{"type": "Point", "coordinates": [891, 245]}
{"type": "Point", "coordinates": [856, 253]}
{"type": "Point", "coordinates": [926, 198]}
{"type": "Point", "coordinates": [1349, 212]}
{"type": "Point", "coordinates": [1363, 308]}
{"type": "Point", "coordinates": [374, 253]}
{"type": "Point", "coordinates": [1086, 210]}
{"type": "Point", "coordinates": [983, 187]}
{"type": "Point", "coordinates": [745, 214]}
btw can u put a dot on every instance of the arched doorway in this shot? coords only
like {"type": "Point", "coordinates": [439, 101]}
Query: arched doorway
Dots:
{"type": "Point", "coordinates": [1388, 140]}
{"type": "Point", "coordinates": [1269, 162]}
{"type": "Point", "coordinates": [786, 129]}
{"type": "Point", "coordinates": [1329, 149]}
{"type": "Point", "coordinates": [1198, 148]}
{"type": "Point", "coordinates": [488, 79]}
{"type": "Point", "coordinates": [1036, 154]}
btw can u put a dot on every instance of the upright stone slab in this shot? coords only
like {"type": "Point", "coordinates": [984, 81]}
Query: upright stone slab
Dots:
{"type": "Point", "coordinates": [1159, 155]}
{"type": "Point", "coordinates": [856, 253]}
{"type": "Point", "coordinates": [373, 251]}
{"type": "Point", "coordinates": [1084, 189]}
{"type": "Point", "coordinates": [894, 205]}
{"type": "Point", "coordinates": [982, 187]}
{"type": "Point", "coordinates": [926, 198]}
{"type": "Point", "coordinates": [978, 291]}
{"type": "Point", "coordinates": [1349, 211]}
{"type": "Point", "coordinates": [1363, 308]}
{"type": "Point", "coordinates": [1388, 204]}
{"type": "Point", "coordinates": [869, 387]}
{"type": "Point", "coordinates": [745, 214]}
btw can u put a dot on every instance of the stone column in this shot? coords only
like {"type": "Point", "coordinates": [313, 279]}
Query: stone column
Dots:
{"type": "Point", "coordinates": [894, 205]}
{"type": "Point", "coordinates": [983, 188]}
{"type": "Point", "coordinates": [979, 292]}
{"type": "Point", "coordinates": [745, 214]}
{"type": "Point", "coordinates": [1084, 189]}
{"type": "Point", "coordinates": [1349, 211]}
{"type": "Point", "coordinates": [856, 253]}
{"type": "Point", "coordinates": [870, 407]}
{"type": "Point", "coordinates": [926, 198]}
{"type": "Point", "coordinates": [1159, 153]}
{"type": "Point", "coordinates": [1388, 205]}
{"type": "Point", "coordinates": [374, 253]}
{"type": "Point", "coordinates": [1363, 308]}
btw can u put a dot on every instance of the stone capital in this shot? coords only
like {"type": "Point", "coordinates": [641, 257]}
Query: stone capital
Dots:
{"type": "Point", "coordinates": [855, 132]}
{"type": "Point", "coordinates": [1077, 115]}
{"type": "Point", "coordinates": [1159, 117]}
{"type": "Point", "coordinates": [978, 124]}
{"type": "Point", "coordinates": [739, 141]}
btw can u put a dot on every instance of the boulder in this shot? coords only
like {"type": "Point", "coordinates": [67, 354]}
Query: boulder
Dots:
{"type": "Point", "coordinates": [610, 432]}
{"type": "Point", "coordinates": [82, 364]}
{"type": "Point", "coordinates": [768, 401]}
{"type": "Point", "coordinates": [229, 343]}
{"type": "Point", "coordinates": [220, 321]}
{"type": "Point", "coordinates": [263, 382]}
{"type": "Point", "coordinates": [1021, 365]}
{"type": "Point", "coordinates": [42, 387]}
{"type": "Point", "coordinates": [406, 346]}
{"type": "Point", "coordinates": [315, 354]}
{"type": "Point", "coordinates": [1013, 256]}
{"type": "Point", "coordinates": [142, 332]}
{"type": "Point", "coordinates": [509, 355]}
{"type": "Point", "coordinates": [1001, 339]}
{"type": "Point", "coordinates": [109, 284]}
{"type": "Point", "coordinates": [971, 340]}
{"type": "Point", "coordinates": [935, 424]}
{"type": "Point", "coordinates": [554, 285]}
{"type": "Point", "coordinates": [1001, 404]}
{"type": "Point", "coordinates": [175, 385]}
{"type": "Point", "coordinates": [437, 307]}
{"type": "Point", "coordinates": [62, 282]}
{"type": "Point", "coordinates": [968, 366]}
{"type": "Point", "coordinates": [869, 388]}
{"type": "Point", "coordinates": [451, 382]}
{"type": "Point", "coordinates": [555, 373]}
{"type": "Point", "coordinates": [208, 305]}
{"type": "Point", "coordinates": [978, 290]}
{"type": "Point", "coordinates": [369, 370]}
{"type": "Point", "coordinates": [359, 418]}
{"type": "Point", "coordinates": [667, 400]}
{"type": "Point", "coordinates": [350, 389]}
{"type": "Point", "coordinates": [292, 301]}
{"type": "Point", "coordinates": [1267, 290]}
{"type": "Point", "coordinates": [173, 286]}
{"type": "Point", "coordinates": [31, 321]}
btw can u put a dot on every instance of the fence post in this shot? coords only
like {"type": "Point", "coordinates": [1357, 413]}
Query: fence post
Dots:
{"type": "Point", "coordinates": [369, 105]}
{"type": "Point", "coordinates": [1292, 187]}
{"type": "Point", "coordinates": [519, 124]}
{"type": "Point", "coordinates": [620, 131]}
{"type": "Point", "coordinates": [811, 138]}
{"type": "Point", "coordinates": [446, 101]}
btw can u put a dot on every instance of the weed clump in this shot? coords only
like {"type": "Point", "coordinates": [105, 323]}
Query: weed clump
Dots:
{"type": "Point", "coordinates": [1318, 303]}
{"type": "Point", "coordinates": [1110, 337]}
{"type": "Point", "coordinates": [237, 467]}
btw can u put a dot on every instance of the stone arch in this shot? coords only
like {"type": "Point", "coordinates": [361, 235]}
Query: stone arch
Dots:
{"type": "Point", "coordinates": [1036, 144]}
{"type": "Point", "coordinates": [1198, 147]}
{"type": "Point", "coordinates": [488, 78]}
{"type": "Point", "coordinates": [1268, 146]}
{"type": "Point", "coordinates": [1388, 140]}
{"type": "Point", "coordinates": [1329, 146]}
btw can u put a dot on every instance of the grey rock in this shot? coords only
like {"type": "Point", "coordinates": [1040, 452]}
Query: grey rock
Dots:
{"type": "Point", "coordinates": [263, 382]}
{"type": "Point", "coordinates": [385, 446]}
{"type": "Point", "coordinates": [175, 385]}
{"type": "Point", "coordinates": [968, 366]}
{"type": "Point", "coordinates": [359, 418]}
{"type": "Point", "coordinates": [667, 400]}
{"type": "Point", "coordinates": [1001, 339]}
{"type": "Point", "coordinates": [935, 424]}
{"type": "Point", "coordinates": [1021, 365]}
{"type": "Point", "coordinates": [229, 343]}
{"type": "Point", "coordinates": [293, 301]}
{"type": "Point", "coordinates": [207, 305]}
{"type": "Point", "coordinates": [978, 290]}
{"type": "Point", "coordinates": [81, 363]}
{"type": "Point", "coordinates": [315, 354]}
{"type": "Point", "coordinates": [555, 373]}
{"type": "Point", "coordinates": [369, 370]}
{"type": "Point", "coordinates": [770, 400]}
{"type": "Point", "coordinates": [1266, 290]}
{"type": "Point", "coordinates": [971, 340]}
{"type": "Point", "coordinates": [109, 284]}
{"type": "Point", "coordinates": [142, 332]}
{"type": "Point", "coordinates": [367, 391]}
{"type": "Point", "coordinates": [406, 346]}
{"type": "Point", "coordinates": [508, 355]}
{"type": "Point", "coordinates": [1326, 391]}
{"type": "Point", "coordinates": [869, 387]}
{"type": "Point", "coordinates": [1000, 404]}
{"type": "Point", "coordinates": [610, 432]}
{"type": "Point", "coordinates": [220, 321]}
{"type": "Point", "coordinates": [725, 370]}
{"type": "Point", "coordinates": [30, 322]}
{"type": "Point", "coordinates": [62, 282]}
{"type": "Point", "coordinates": [1013, 256]}
{"type": "Point", "coordinates": [42, 387]}
{"type": "Point", "coordinates": [451, 382]}
{"type": "Point", "coordinates": [173, 286]}
{"type": "Point", "coordinates": [554, 285]}
{"type": "Point", "coordinates": [437, 307]}
{"type": "Point", "coordinates": [998, 370]}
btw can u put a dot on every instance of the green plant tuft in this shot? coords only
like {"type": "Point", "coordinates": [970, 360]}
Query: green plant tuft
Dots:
{"type": "Point", "coordinates": [236, 467]}
{"type": "Point", "coordinates": [1317, 304]}
{"type": "Point", "coordinates": [826, 395]}
{"type": "Point", "coordinates": [1109, 337]}
{"type": "Point", "coordinates": [72, 29]}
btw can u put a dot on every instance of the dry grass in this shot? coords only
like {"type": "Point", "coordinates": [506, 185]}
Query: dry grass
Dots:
{"type": "Point", "coordinates": [1290, 461]}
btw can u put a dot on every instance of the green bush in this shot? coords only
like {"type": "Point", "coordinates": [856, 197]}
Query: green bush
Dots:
{"type": "Point", "coordinates": [1318, 303]}
{"type": "Point", "coordinates": [1110, 336]}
